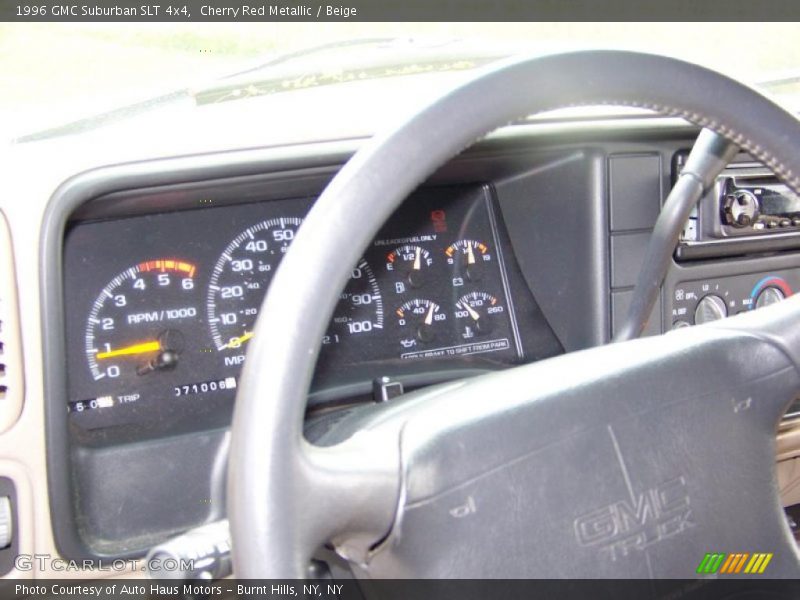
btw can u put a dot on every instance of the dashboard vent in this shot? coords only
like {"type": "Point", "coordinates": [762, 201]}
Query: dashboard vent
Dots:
{"type": "Point", "coordinates": [10, 346]}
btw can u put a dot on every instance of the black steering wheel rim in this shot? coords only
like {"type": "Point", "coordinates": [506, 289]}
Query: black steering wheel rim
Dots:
{"type": "Point", "coordinates": [276, 478]}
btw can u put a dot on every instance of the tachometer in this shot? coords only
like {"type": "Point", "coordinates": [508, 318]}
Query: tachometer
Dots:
{"type": "Point", "coordinates": [134, 326]}
{"type": "Point", "coordinates": [241, 275]}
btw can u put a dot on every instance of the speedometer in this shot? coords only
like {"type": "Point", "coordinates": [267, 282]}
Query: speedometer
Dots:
{"type": "Point", "coordinates": [243, 271]}
{"type": "Point", "coordinates": [240, 277]}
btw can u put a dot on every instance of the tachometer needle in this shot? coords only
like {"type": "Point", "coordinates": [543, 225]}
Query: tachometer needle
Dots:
{"type": "Point", "coordinates": [238, 341]}
{"type": "Point", "coordinates": [142, 348]}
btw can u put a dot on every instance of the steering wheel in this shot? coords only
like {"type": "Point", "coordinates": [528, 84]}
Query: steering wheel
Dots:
{"type": "Point", "coordinates": [630, 460]}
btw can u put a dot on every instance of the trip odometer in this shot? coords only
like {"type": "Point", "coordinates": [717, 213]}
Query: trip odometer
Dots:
{"type": "Point", "coordinates": [242, 274]}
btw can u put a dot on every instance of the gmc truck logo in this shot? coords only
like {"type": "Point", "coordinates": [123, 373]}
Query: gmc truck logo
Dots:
{"type": "Point", "coordinates": [632, 525]}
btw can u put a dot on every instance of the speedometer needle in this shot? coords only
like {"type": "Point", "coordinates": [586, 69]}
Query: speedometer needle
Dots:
{"type": "Point", "coordinates": [142, 348]}
{"type": "Point", "coordinates": [238, 341]}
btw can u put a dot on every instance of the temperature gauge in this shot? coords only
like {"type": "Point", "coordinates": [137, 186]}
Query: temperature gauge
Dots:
{"type": "Point", "coordinates": [420, 321]}
{"type": "Point", "coordinates": [469, 257]}
{"type": "Point", "coordinates": [411, 263]}
{"type": "Point", "coordinates": [477, 313]}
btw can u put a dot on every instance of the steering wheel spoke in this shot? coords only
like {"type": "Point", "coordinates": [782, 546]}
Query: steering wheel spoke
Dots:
{"type": "Point", "coordinates": [353, 489]}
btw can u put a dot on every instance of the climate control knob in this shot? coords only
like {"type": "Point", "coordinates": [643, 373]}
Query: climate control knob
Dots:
{"type": "Point", "coordinates": [710, 308]}
{"type": "Point", "coordinates": [769, 295]}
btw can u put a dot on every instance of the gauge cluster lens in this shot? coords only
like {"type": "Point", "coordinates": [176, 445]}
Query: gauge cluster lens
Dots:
{"type": "Point", "coordinates": [158, 325]}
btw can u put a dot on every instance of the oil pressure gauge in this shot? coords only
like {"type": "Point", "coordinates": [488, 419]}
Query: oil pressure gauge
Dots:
{"type": "Point", "coordinates": [420, 321]}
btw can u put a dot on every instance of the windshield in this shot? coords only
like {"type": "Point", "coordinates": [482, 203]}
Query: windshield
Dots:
{"type": "Point", "coordinates": [59, 73]}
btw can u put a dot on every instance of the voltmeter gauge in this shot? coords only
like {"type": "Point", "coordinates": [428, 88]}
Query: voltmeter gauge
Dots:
{"type": "Point", "coordinates": [469, 257]}
{"type": "Point", "coordinates": [476, 314]}
{"type": "Point", "coordinates": [134, 325]}
{"type": "Point", "coordinates": [411, 264]}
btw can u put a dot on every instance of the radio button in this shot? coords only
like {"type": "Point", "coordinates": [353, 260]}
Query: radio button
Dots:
{"type": "Point", "coordinates": [785, 222]}
{"type": "Point", "coordinates": [796, 222]}
{"type": "Point", "coordinates": [772, 224]}
{"type": "Point", "coordinates": [710, 308]}
{"type": "Point", "coordinates": [769, 295]}
{"type": "Point", "coordinates": [680, 324]}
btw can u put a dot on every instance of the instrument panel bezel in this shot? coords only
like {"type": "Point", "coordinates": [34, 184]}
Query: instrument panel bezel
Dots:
{"type": "Point", "coordinates": [163, 186]}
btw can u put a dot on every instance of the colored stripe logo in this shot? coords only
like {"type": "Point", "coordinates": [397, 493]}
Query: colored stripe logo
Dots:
{"type": "Point", "coordinates": [735, 563]}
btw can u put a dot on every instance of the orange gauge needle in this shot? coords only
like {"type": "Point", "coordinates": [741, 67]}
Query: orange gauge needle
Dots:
{"type": "Point", "coordinates": [142, 348]}
{"type": "Point", "coordinates": [238, 341]}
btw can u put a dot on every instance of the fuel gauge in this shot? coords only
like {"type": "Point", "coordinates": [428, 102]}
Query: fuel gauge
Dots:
{"type": "Point", "coordinates": [476, 314]}
{"type": "Point", "coordinates": [411, 263]}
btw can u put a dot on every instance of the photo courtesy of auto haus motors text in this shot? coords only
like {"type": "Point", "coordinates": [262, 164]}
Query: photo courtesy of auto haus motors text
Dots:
{"type": "Point", "coordinates": [130, 589]}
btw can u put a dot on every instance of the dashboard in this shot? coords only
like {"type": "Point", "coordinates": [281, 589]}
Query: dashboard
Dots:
{"type": "Point", "coordinates": [152, 275]}
{"type": "Point", "coordinates": [160, 307]}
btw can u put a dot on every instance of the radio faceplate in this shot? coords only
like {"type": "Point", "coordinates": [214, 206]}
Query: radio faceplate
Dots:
{"type": "Point", "coordinates": [748, 210]}
{"type": "Point", "coordinates": [753, 202]}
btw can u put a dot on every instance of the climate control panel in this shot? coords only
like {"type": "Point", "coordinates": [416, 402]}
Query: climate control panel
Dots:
{"type": "Point", "coordinates": [703, 301]}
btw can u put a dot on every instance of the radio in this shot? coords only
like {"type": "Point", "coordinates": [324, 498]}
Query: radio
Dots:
{"type": "Point", "coordinates": [747, 208]}
{"type": "Point", "coordinates": [755, 203]}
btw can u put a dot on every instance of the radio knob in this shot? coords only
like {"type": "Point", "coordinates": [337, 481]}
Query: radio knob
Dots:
{"type": "Point", "coordinates": [710, 308]}
{"type": "Point", "coordinates": [769, 295]}
{"type": "Point", "coordinates": [740, 208]}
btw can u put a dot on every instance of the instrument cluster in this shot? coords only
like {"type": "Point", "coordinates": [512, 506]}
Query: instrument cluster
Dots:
{"type": "Point", "coordinates": [161, 308]}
